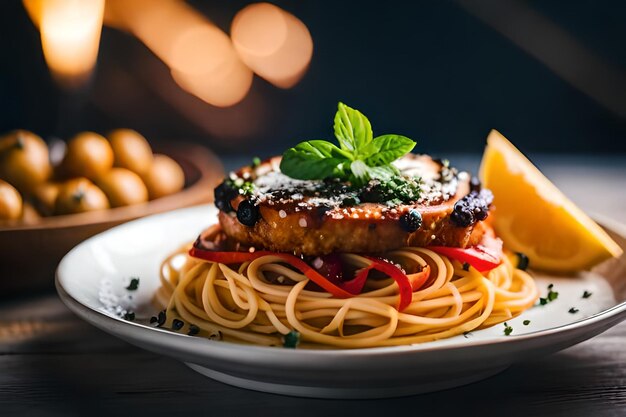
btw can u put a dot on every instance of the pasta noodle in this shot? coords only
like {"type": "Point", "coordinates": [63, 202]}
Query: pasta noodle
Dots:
{"type": "Point", "coordinates": [264, 299]}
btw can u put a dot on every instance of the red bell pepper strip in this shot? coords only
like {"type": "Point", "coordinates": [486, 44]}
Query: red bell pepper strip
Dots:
{"type": "Point", "coordinates": [404, 285]}
{"type": "Point", "coordinates": [484, 257]}
{"type": "Point", "coordinates": [346, 290]}
{"type": "Point", "coordinates": [238, 257]}
{"type": "Point", "coordinates": [356, 284]}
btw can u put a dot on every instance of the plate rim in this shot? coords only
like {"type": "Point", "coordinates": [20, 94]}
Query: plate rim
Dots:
{"type": "Point", "coordinates": [616, 314]}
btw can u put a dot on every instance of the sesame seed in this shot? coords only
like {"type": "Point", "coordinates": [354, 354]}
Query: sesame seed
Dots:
{"type": "Point", "coordinates": [282, 214]}
{"type": "Point", "coordinates": [302, 222]}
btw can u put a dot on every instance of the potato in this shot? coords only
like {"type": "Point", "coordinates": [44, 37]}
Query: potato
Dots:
{"type": "Point", "coordinates": [29, 214]}
{"type": "Point", "coordinates": [10, 202]}
{"type": "Point", "coordinates": [123, 187]}
{"type": "Point", "coordinates": [88, 155]}
{"type": "Point", "coordinates": [45, 196]}
{"type": "Point", "coordinates": [131, 150]}
{"type": "Point", "coordinates": [79, 195]}
{"type": "Point", "coordinates": [164, 177]}
{"type": "Point", "coordinates": [24, 160]}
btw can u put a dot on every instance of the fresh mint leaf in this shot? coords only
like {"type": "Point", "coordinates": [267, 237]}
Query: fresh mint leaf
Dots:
{"type": "Point", "coordinates": [311, 160]}
{"type": "Point", "coordinates": [385, 149]}
{"type": "Point", "coordinates": [352, 129]}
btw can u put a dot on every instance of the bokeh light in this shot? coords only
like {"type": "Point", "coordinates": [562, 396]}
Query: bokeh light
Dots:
{"type": "Point", "coordinates": [200, 56]}
{"type": "Point", "coordinates": [274, 43]}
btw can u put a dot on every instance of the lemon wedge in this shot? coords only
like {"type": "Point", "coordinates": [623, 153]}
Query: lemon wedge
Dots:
{"type": "Point", "coordinates": [534, 217]}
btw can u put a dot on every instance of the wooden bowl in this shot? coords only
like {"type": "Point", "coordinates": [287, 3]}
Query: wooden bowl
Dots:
{"type": "Point", "coordinates": [31, 250]}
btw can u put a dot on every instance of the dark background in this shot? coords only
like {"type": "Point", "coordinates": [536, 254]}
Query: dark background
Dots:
{"type": "Point", "coordinates": [443, 73]}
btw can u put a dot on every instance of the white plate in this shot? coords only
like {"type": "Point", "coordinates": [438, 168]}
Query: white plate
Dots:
{"type": "Point", "coordinates": [91, 280]}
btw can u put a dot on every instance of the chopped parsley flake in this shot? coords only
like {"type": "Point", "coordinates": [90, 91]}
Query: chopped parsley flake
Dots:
{"type": "Point", "coordinates": [394, 191]}
{"type": "Point", "coordinates": [134, 284]}
{"type": "Point", "coordinates": [256, 161]}
{"type": "Point", "coordinates": [573, 310]}
{"type": "Point", "coordinates": [129, 315]}
{"type": "Point", "coordinates": [291, 339]}
{"type": "Point", "coordinates": [507, 329]}
{"type": "Point", "coordinates": [587, 294]}
{"type": "Point", "coordinates": [522, 261]}
{"type": "Point", "coordinates": [552, 295]}
{"type": "Point", "coordinates": [466, 266]}
{"type": "Point", "coordinates": [526, 322]}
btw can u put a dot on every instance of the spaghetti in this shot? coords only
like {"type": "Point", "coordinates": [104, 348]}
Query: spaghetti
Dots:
{"type": "Point", "coordinates": [261, 300]}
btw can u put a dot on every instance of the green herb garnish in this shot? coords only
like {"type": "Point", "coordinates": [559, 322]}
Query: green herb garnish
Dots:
{"type": "Point", "coordinates": [134, 284]}
{"type": "Point", "coordinates": [243, 187]}
{"type": "Point", "coordinates": [256, 161]}
{"type": "Point", "coordinates": [573, 310]}
{"type": "Point", "coordinates": [129, 315]}
{"type": "Point", "coordinates": [552, 295]}
{"type": "Point", "coordinates": [358, 158]}
{"type": "Point", "coordinates": [291, 339]}
{"type": "Point", "coordinates": [396, 190]}
{"type": "Point", "coordinates": [587, 294]}
{"type": "Point", "coordinates": [507, 329]}
{"type": "Point", "coordinates": [526, 322]}
{"type": "Point", "coordinates": [522, 261]}
{"type": "Point", "coordinates": [466, 266]}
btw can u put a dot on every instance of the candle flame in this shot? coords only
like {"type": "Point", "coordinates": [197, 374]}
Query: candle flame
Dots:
{"type": "Point", "coordinates": [70, 36]}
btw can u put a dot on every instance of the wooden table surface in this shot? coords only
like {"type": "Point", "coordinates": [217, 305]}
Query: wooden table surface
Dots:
{"type": "Point", "coordinates": [53, 364]}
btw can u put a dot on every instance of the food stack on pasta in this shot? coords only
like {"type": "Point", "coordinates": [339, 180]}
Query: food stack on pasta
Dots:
{"type": "Point", "coordinates": [358, 245]}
